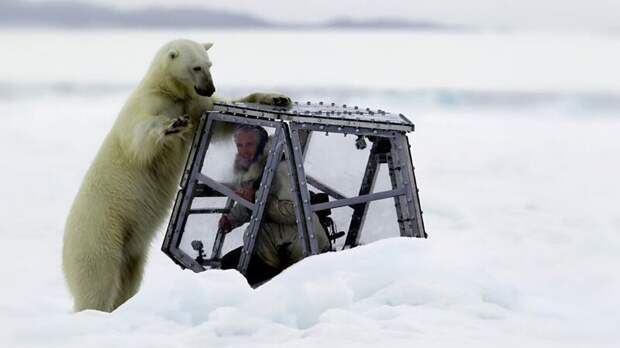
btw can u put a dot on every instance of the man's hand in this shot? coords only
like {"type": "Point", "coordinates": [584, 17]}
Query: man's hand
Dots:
{"type": "Point", "coordinates": [225, 224]}
{"type": "Point", "coordinates": [247, 193]}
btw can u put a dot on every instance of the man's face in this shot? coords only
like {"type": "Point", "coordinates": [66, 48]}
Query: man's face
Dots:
{"type": "Point", "coordinates": [247, 143]}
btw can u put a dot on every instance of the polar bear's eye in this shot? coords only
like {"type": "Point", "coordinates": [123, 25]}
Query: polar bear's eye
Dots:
{"type": "Point", "coordinates": [197, 68]}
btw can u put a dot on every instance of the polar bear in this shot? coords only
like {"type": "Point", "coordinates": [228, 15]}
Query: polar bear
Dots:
{"type": "Point", "coordinates": [129, 187]}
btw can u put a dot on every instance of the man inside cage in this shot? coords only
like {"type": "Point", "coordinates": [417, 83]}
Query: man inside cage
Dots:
{"type": "Point", "coordinates": [277, 244]}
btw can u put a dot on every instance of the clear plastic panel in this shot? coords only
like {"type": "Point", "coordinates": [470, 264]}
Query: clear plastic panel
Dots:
{"type": "Point", "coordinates": [228, 155]}
{"type": "Point", "coordinates": [335, 161]}
{"type": "Point", "coordinates": [237, 162]}
{"type": "Point", "coordinates": [342, 218]}
{"type": "Point", "coordinates": [381, 221]}
{"type": "Point", "coordinates": [199, 228]}
{"type": "Point", "coordinates": [208, 202]}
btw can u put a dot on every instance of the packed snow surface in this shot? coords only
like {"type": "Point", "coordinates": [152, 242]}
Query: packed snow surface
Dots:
{"type": "Point", "coordinates": [516, 154]}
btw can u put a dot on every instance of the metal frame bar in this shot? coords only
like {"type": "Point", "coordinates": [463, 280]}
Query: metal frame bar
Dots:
{"type": "Point", "coordinates": [405, 170]}
{"type": "Point", "coordinates": [303, 187]}
{"type": "Point", "coordinates": [302, 231]}
{"type": "Point", "coordinates": [220, 235]}
{"type": "Point", "coordinates": [304, 138]}
{"type": "Point", "coordinates": [321, 186]}
{"type": "Point", "coordinates": [403, 202]}
{"type": "Point", "coordinates": [359, 210]}
{"type": "Point", "coordinates": [350, 123]}
{"type": "Point", "coordinates": [251, 233]}
{"type": "Point", "coordinates": [395, 185]}
{"type": "Point", "coordinates": [166, 246]}
{"type": "Point", "coordinates": [208, 211]}
{"type": "Point", "coordinates": [197, 140]}
{"type": "Point", "coordinates": [351, 117]}
{"type": "Point", "coordinates": [202, 190]}
{"type": "Point", "coordinates": [225, 190]}
{"type": "Point", "coordinates": [358, 199]}
{"type": "Point", "coordinates": [361, 130]}
{"type": "Point", "coordinates": [187, 186]}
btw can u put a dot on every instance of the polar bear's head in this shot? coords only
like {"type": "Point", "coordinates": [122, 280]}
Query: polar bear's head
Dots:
{"type": "Point", "coordinates": [187, 64]}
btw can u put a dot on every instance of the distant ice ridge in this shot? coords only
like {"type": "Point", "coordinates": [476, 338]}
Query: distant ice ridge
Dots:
{"type": "Point", "coordinates": [521, 61]}
{"type": "Point", "coordinates": [591, 103]}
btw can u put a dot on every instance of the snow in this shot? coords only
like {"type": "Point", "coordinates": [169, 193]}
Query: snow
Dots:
{"type": "Point", "coordinates": [519, 196]}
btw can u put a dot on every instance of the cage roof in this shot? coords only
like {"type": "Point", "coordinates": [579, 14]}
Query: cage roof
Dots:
{"type": "Point", "coordinates": [321, 113]}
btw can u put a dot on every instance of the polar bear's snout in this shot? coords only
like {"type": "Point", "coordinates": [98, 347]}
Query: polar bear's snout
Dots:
{"type": "Point", "coordinates": [204, 83]}
{"type": "Point", "coordinates": [205, 92]}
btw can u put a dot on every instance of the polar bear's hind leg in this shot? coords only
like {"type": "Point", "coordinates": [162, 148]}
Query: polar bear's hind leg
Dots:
{"type": "Point", "coordinates": [97, 284]}
{"type": "Point", "coordinates": [132, 270]}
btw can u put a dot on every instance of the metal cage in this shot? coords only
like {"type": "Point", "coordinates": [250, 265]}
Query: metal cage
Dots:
{"type": "Point", "coordinates": [293, 128]}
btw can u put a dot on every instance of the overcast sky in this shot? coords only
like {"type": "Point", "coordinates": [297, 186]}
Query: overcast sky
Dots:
{"type": "Point", "coordinates": [525, 14]}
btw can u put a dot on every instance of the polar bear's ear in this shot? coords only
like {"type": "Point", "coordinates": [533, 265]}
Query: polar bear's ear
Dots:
{"type": "Point", "coordinates": [173, 53]}
{"type": "Point", "coordinates": [207, 45]}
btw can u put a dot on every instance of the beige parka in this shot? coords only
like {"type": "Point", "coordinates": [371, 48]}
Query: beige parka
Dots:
{"type": "Point", "coordinates": [278, 242]}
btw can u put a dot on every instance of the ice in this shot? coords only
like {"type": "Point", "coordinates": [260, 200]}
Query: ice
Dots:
{"type": "Point", "coordinates": [517, 171]}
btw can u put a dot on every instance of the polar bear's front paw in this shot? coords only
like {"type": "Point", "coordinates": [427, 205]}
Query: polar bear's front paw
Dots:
{"type": "Point", "coordinates": [274, 99]}
{"type": "Point", "coordinates": [282, 101]}
{"type": "Point", "coordinates": [179, 124]}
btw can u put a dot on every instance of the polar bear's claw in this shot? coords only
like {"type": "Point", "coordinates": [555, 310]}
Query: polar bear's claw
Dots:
{"type": "Point", "coordinates": [179, 124]}
{"type": "Point", "coordinates": [282, 101]}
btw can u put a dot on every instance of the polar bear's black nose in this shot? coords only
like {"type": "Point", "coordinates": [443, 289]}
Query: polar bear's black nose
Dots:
{"type": "Point", "coordinates": [206, 92]}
